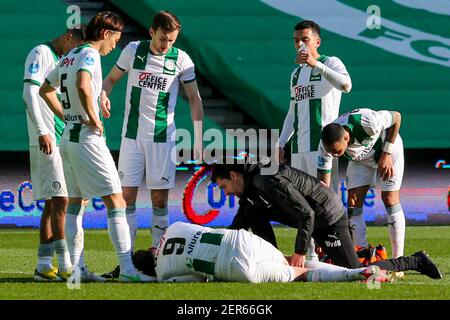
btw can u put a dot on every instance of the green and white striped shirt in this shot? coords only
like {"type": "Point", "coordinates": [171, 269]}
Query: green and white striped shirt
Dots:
{"type": "Point", "coordinates": [152, 89]}
{"type": "Point", "coordinates": [368, 129]}
{"type": "Point", "coordinates": [314, 104]}
{"type": "Point", "coordinates": [83, 58]}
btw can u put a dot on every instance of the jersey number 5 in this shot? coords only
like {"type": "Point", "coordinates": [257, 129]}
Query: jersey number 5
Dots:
{"type": "Point", "coordinates": [64, 98]}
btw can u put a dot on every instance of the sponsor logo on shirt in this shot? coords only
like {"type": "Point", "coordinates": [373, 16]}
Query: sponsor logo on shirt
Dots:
{"type": "Point", "coordinates": [364, 152]}
{"type": "Point", "coordinates": [192, 243]}
{"type": "Point", "coordinates": [147, 80]}
{"type": "Point", "coordinates": [88, 60]}
{"type": "Point", "coordinates": [73, 118]}
{"type": "Point", "coordinates": [67, 62]}
{"type": "Point", "coordinates": [315, 75]}
{"type": "Point", "coordinates": [33, 68]}
{"type": "Point", "coordinates": [302, 92]}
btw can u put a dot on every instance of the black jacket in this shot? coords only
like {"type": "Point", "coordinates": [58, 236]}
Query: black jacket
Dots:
{"type": "Point", "coordinates": [293, 197]}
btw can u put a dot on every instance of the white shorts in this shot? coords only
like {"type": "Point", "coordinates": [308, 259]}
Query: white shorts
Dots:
{"type": "Point", "coordinates": [89, 169]}
{"type": "Point", "coordinates": [154, 160]}
{"type": "Point", "coordinates": [307, 162]}
{"type": "Point", "coordinates": [362, 173]}
{"type": "Point", "coordinates": [47, 175]}
{"type": "Point", "coordinates": [256, 260]}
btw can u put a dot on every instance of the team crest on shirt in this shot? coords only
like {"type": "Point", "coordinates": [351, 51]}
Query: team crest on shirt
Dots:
{"type": "Point", "coordinates": [169, 67]}
{"type": "Point", "coordinates": [120, 175]}
{"type": "Point", "coordinates": [56, 186]}
{"type": "Point", "coordinates": [33, 68]}
{"type": "Point", "coordinates": [315, 75]}
{"type": "Point", "coordinates": [89, 60]}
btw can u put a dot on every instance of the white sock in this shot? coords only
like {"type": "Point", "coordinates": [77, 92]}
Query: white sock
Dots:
{"type": "Point", "coordinates": [358, 226]}
{"type": "Point", "coordinates": [119, 233]}
{"type": "Point", "coordinates": [311, 252]}
{"type": "Point", "coordinates": [45, 256]}
{"type": "Point", "coordinates": [324, 272]}
{"type": "Point", "coordinates": [81, 263]}
{"type": "Point", "coordinates": [396, 221]}
{"type": "Point", "coordinates": [75, 232]}
{"type": "Point", "coordinates": [160, 222]}
{"type": "Point", "coordinates": [62, 252]}
{"type": "Point", "coordinates": [132, 223]}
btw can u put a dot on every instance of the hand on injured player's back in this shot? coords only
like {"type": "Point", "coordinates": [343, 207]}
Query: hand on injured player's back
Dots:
{"type": "Point", "coordinates": [385, 166]}
{"type": "Point", "coordinates": [105, 104]}
{"type": "Point", "coordinates": [297, 260]}
{"type": "Point", "coordinates": [45, 144]}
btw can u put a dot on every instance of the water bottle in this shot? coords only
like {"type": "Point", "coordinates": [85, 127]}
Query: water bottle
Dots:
{"type": "Point", "coordinates": [302, 48]}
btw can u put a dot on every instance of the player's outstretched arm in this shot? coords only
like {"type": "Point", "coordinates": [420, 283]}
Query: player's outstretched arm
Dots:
{"type": "Point", "coordinates": [108, 84]}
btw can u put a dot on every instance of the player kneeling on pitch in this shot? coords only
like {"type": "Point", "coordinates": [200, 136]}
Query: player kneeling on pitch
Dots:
{"type": "Point", "coordinates": [191, 253]}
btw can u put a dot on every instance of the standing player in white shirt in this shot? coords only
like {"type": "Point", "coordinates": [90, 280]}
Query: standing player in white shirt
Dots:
{"type": "Point", "coordinates": [44, 131]}
{"type": "Point", "coordinates": [370, 141]}
{"type": "Point", "coordinates": [316, 87]}
{"type": "Point", "coordinates": [155, 71]}
{"type": "Point", "coordinates": [88, 165]}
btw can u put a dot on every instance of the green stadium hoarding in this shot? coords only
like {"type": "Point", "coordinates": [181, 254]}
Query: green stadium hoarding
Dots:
{"type": "Point", "coordinates": [245, 49]}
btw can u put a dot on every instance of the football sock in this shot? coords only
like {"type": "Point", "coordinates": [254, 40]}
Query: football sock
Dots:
{"type": "Point", "coordinates": [357, 226]}
{"type": "Point", "coordinates": [132, 223]}
{"type": "Point", "coordinates": [75, 232]}
{"type": "Point", "coordinates": [45, 256]}
{"type": "Point", "coordinates": [396, 222]}
{"type": "Point", "coordinates": [62, 252]}
{"type": "Point", "coordinates": [119, 233]}
{"type": "Point", "coordinates": [311, 252]}
{"type": "Point", "coordinates": [160, 222]}
{"type": "Point", "coordinates": [325, 272]}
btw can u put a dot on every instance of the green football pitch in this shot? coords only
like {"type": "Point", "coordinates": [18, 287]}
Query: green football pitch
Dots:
{"type": "Point", "coordinates": [18, 256]}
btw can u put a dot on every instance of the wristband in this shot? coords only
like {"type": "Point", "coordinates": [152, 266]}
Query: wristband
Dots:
{"type": "Point", "coordinates": [388, 147]}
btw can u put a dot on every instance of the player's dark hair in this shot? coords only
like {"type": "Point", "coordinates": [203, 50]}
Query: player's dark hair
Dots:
{"type": "Point", "coordinates": [308, 24]}
{"type": "Point", "coordinates": [167, 21]}
{"type": "Point", "coordinates": [332, 133]}
{"type": "Point", "coordinates": [105, 20]}
{"type": "Point", "coordinates": [78, 31]}
{"type": "Point", "coordinates": [222, 171]}
{"type": "Point", "coordinates": [144, 261]}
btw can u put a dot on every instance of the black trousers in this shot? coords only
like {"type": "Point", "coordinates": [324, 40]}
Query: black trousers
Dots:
{"type": "Point", "coordinates": [334, 240]}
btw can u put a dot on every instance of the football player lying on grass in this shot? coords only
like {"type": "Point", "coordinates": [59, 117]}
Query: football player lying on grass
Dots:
{"type": "Point", "coordinates": [190, 253]}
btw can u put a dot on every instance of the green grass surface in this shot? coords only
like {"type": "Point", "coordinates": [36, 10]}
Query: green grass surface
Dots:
{"type": "Point", "coordinates": [18, 256]}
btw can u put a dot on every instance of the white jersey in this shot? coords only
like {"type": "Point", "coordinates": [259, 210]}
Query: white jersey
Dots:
{"type": "Point", "coordinates": [41, 60]}
{"type": "Point", "coordinates": [87, 59]}
{"type": "Point", "coordinates": [367, 130]}
{"type": "Point", "coordinates": [190, 252]}
{"type": "Point", "coordinates": [152, 89]}
{"type": "Point", "coordinates": [314, 104]}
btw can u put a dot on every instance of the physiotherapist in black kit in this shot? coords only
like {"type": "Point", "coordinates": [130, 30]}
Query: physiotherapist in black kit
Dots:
{"type": "Point", "coordinates": [294, 198]}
